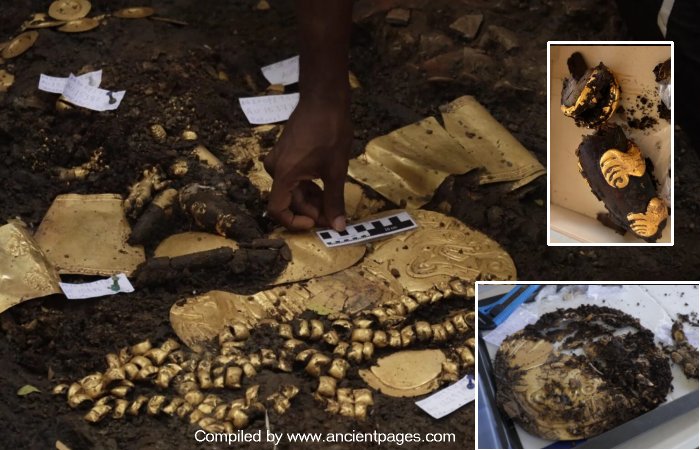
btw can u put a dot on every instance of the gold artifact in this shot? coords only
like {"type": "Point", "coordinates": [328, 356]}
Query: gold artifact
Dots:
{"type": "Point", "coordinates": [80, 25]}
{"type": "Point", "coordinates": [205, 156]}
{"type": "Point", "coordinates": [87, 234]}
{"type": "Point", "coordinates": [41, 20]}
{"type": "Point", "coordinates": [25, 273]}
{"type": "Point", "coordinates": [138, 12]}
{"type": "Point", "coordinates": [618, 166]}
{"type": "Point", "coordinates": [407, 373]}
{"type": "Point", "coordinates": [158, 132]}
{"type": "Point", "coordinates": [69, 9]}
{"type": "Point", "coordinates": [81, 172]}
{"type": "Point", "coordinates": [192, 242]}
{"type": "Point", "coordinates": [572, 375]}
{"type": "Point", "coordinates": [141, 192]}
{"type": "Point", "coordinates": [6, 80]}
{"type": "Point", "coordinates": [646, 224]}
{"type": "Point", "coordinates": [19, 44]}
{"type": "Point", "coordinates": [189, 135]}
{"type": "Point", "coordinates": [441, 249]}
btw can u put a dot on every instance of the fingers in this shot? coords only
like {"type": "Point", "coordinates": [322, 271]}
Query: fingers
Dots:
{"type": "Point", "coordinates": [279, 207]}
{"type": "Point", "coordinates": [334, 202]}
{"type": "Point", "coordinates": [307, 200]}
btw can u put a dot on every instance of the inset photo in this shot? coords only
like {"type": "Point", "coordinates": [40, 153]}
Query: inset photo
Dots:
{"type": "Point", "coordinates": [587, 366]}
{"type": "Point", "coordinates": [610, 143]}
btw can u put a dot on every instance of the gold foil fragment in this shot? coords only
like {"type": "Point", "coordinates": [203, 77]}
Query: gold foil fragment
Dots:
{"type": "Point", "coordinates": [207, 157]}
{"type": "Point", "coordinates": [192, 242]}
{"type": "Point", "coordinates": [41, 20]}
{"type": "Point", "coordinates": [646, 224]}
{"type": "Point", "coordinates": [189, 135]}
{"type": "Point", "coordinates": [441, 249]}
{"type": "Point", "coordinates": [618, 166]}
{"type": "Point", "coordinates": [137, 12]}
{"type": "Point", "coordinates": [69, 9]}
{"type": "Point", "coordinates": [406, 373]}
{"type": "Point", "coordinates": [25, 272]}
{"type": "Point", "coordinates": [87, 234]}
{"type": "Point", "coordinates": [80, 25]}
{"type": "Point", "coordinates": [19, 44]}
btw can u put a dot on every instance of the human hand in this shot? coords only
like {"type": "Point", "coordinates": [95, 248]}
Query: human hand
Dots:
{"type": "Point", "coordinates": [315, 144]}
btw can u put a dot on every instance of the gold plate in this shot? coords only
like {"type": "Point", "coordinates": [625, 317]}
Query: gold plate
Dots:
{"type": "Point", "coordinates": [136, 12]}
{"type": "Point", "coordinates": [69, 9]}
{"type": "Point", "coordinates": [192, 242]}
{"type": "Point", "coordinates": [80, 25]}
{"type": "Point", "coordinates": [646, 224]}
{"type": "Point", "coordinates": [617, 167]}
{"type": "Point", "coordinates": [6, 80]}
{"type": "Point", "coordinates": [41, 20]}
{"type": "Point", "coordinates": [25, 273]}
{"type": "Point", "coordinates": [87, 234]}
{"type": "Point", "coordinates": [20, 44]}
{"type": "Point", "coordinates": [441, 249]}
{"type": "Point", "coordinates": [407, 373]}
{"type": "Point", "coordinates": [311, 258]}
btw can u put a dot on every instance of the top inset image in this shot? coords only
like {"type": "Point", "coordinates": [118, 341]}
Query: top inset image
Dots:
{"type": "Point", "coordinates": [610, 143]}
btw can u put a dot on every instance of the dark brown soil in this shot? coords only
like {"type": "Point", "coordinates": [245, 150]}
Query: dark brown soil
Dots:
{"type": "Point", "coordinates": [168, 73]}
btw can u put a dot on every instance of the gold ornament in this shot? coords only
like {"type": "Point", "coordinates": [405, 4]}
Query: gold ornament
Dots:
{"type": "Point", "coordinates": [618, 166]}
{"type": "Point", "coordinates": [646, 224]}
{"type": "Point", "coordinates": [69, 9]}
{"type": "Point", "coordinates": [19, 44]}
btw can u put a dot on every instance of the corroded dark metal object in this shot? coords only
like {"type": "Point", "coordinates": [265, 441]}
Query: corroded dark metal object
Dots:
{"type": "Point", "coordinates": [589, 96]}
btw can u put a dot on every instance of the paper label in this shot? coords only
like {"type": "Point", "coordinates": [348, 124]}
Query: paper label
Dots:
{"type": "Point", "coordinates": [269, 108]}
{"type": "Point", "coordinates": [284, 72]}
{"type": "Point", "coordinates": [371, 229]}
{"type": "Point", "coordinates": [449, 399]}
{"type": "Point", "coordinates": [100, 288]}
{"type": "Point", "coordinates": [83, 91]}
{"type": "Point", "coordinates": [515, 322]}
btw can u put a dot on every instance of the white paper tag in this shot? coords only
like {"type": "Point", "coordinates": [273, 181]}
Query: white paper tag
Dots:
{"type": "Point", "coordinates": [449, 399]}
{"type": "Point", "coordinates": [284, 72]}
{"type": "Point", "coordinates": [269, 108]}
{"type": "Point", "coordinates": [83, 91]}
{"type": "Point", "coordinates": [370, 229]}
{"type": "Point", "coordinates": [515, 322]}
{"type": "Point", "coordinates": [109, 286]}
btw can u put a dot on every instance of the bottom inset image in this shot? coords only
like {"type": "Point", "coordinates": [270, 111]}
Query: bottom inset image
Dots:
{"type": "Point", "coordinates": [587, 366]}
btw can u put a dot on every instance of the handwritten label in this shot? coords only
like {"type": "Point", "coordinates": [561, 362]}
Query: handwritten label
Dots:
{"type": "Point", "coordinates": [57, 85]}
{"type": "Point", "coordinates": [83, 91]}
{"type": "Point", "coordinates": [283, 72]}
{"type": "Point", "coordinates": [269, 108]}
{"type": "Point", "coordinates": [100, 288]}
{"type": "Point", "coordinates": [449, 399]}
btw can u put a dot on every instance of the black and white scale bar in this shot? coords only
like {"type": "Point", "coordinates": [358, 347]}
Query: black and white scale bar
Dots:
{"type": "Point", "coordinates": [371, 229]}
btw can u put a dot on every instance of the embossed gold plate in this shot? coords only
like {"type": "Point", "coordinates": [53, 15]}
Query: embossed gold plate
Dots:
{"type": "Point", "coordinates": [20, 44]}
{"type": "Point", "coordinates": [407, 373]}
{"type": "Point", "coordinates": [80, 25]}
{"type": "Point", "coordinates": [136, 12]}
{"type": "Point", "coordinates": [6, 80]}
{"type": "Point", "coordinates": [192, 242]}
{"type": "Point", "coordinates": [441, 249]}
{"type": "Point", "coordinates": [647, 223]}
{"type": "Point", "coordinates": [25, 273]}
{"type": "Point", "coordinates": [69, 9]}
{"type": "Point", "coordinates": [87, 234]}
{"type": "Point", "coordinates": [618, 167]}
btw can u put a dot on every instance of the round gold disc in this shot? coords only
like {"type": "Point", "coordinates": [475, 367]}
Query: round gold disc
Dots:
{"type": "Point", "coordinates": [20, 44]}
{"type": "Point", "coordinates": [69, 9]}
{"type": "Point", "coordinates": [80, 25]}
{"type": "Point", "coordinates": [134, 13]}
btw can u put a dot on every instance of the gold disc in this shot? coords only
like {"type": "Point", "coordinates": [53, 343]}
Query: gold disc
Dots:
{"type": "Point", "coordinates": [69, 9]}
{"type": "Point", "coordinates": [138, 12]}
{"type": "Point", "coordinates": [407, 373]}
{"type": "Point", "coordinates": [20, 44]}
{"type": "Point", "coordinates": [80, 25]}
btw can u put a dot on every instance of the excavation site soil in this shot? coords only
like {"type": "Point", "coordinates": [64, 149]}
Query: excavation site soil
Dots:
{"type": "Point", "coordinates": [190, 75]}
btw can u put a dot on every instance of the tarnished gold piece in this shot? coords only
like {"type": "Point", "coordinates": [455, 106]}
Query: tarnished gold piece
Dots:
{"type": "Point", "coordinates": [19, 44]}
{"type": "Point", "coordinates": [152, 180]}
{"type": "Point", "coordinates": [646, 224]}
{"type": "Point", "coordinates": [207, 157]}
{"type": "Point", "coordinates": [441, 249]}
{"type": "Point", "coordinates": [87, 234]}
{"type": "Point", "coordinates": [311, 258]}
{"type": "Point", "coordinates": [6, 80]}
{"type": "Point", "coordinates": [80, 25]}
{"type": "Point", "coordinates": [192, 242]}
{"type": "Point", "coordinates": [189, 135]}
{"type": "Point", "coordinates": [41, 20]}
{"type": "Point", "coordinates": [354, 82]}
{"type": "Point", "coordinates": [158, 132]}
{"type": "Point", "coordinates": [587, 91]}
{"type": "Point", "coordinates": [407, 373]}
{"type": "Point", "coordinates": [25, 272]}
{"type": "Point", "coordinates": [69, 9]}
{"type": "Point", "coordinates": [618, 166]}
{"type": "Point", "coordinates": [136, 12]}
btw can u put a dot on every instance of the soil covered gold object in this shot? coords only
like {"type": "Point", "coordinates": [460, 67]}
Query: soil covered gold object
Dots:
{"type": "Point", "coordinates": [87, 234]}
{"type": "Point", "coordinates": [590, 96]}
{"type": "Point", "coordinates": [135, 12]}
{"type": "Point", "coordinates": [25, 273]}
{"type": "Point", "coordinates": [407, 373]}
{"type": "Point", "coordinates": [192, 242]}
{"type": "Point", "coordinates": [80, 25]}
{"type": "Point", "coordinates": [616, 173]}
{"type": "Point", "coordinates": [571, 376]}
{"type": "Point", "coordinates": [6, 80]}
{"type": "Point", "coordinates": [442, 249]}
{"type": "Point", "coordinates": [19, 44]}
{"type": "Point", "coordinates": [69, 9]}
